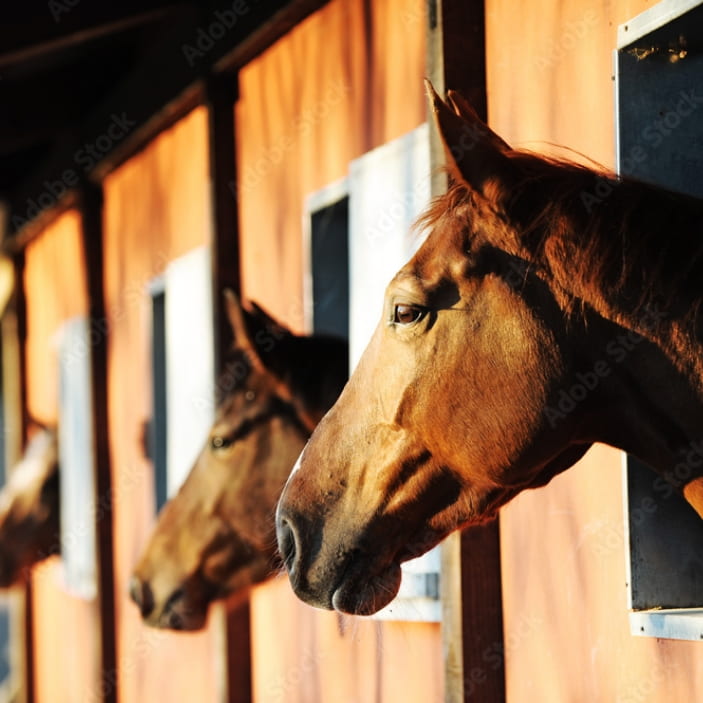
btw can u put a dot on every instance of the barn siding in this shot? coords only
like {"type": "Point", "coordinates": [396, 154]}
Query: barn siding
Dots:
{"type": "Point", "coordinates": [346, 80]}
{"type": "Point", "coordinates": [567, 635]}
{"type": "Point", "coordinates": [66, 667]}
{"type": "Point", "coordinates": [343, 82]}
{"type": "Point", "coordinates": [156, 209]}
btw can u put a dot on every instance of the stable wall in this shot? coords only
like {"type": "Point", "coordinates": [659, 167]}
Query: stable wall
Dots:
{"type": "Point", "coordinates": [66, 636]}
{"type": "Point", "coordinates": [346, 80]}
{"type": "Point", "coordinates": [157, 208]}
{"type": "Point", "coordinates": [567, 634]}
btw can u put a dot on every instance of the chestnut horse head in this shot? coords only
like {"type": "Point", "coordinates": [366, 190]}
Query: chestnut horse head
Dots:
{"type": "Point", "coordinates": [29, 509]}
{"type": "Point", "coordinates": [550, 306]}
{"type": "Point", "coordinates": [216, 536]}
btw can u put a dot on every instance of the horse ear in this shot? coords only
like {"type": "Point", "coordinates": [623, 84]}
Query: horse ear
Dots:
{"type": "Point", "coordinates": [237, 319]}
{"type": "Point", "coordinates": [476, 155]}
{"type": "Point", "coordinates": [465, 110]}
{"type": "Point", "coordinates": [272, 325]}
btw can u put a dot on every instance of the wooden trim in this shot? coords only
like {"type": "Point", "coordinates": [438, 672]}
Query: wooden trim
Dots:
{"type": "Point", "coordinates": [238, 655]}
{"type": "Point", "coordinates": [472, 628]}
{"type": "Point", "coordinates": [58, 28]}
{"type": "Point", "coordinates": [482, 614]}
{"type": "Point", "coordinates": [221, 95]}
{"type": "Point", "coordinates": [26, 618]}
{"type": "Point", "coordinates": [278, 22]}
{"type": "Point", "coordinates": [91, 203]}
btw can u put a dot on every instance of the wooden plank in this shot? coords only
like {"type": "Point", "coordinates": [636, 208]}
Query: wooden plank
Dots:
{"type": "Point", "coordinates": [221, 95]}
{"type": "Point", "coordinates": [482, 614]}
{"type": "Point", "coordinates": [238, 660]}
{"type": "Point", "coordinates": [471, 573]}
{"type": "Point", "coordinates": [34, 28]}
{"type": "Point", "coordinates": [26, 617]}
{"type": "Point", "coordinates": [91, 202]}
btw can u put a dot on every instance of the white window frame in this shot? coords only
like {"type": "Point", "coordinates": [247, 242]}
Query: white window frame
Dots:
{"type": "Point", "coordinates": [387, 188]}
{"type": "Point", "coordinates": [190, 360]}
{"type": "Point", "coordinates": [77, 459]}
{"type": "Point", "coordinates": [319, 200]}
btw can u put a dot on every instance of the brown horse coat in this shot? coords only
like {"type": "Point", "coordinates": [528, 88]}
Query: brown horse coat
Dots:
{"type": "Point", "coordinates": [530, 324]}
{"type": "Point", "coordinates": [215, 538]}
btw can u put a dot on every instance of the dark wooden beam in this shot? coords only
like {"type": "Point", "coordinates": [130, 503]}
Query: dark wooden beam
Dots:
{"type": "Point", "coordinates": [220, 96]}
{"type": "Point", "coordinates": [473, 627]}
{"type": "Point", "coordinates": [33, 28]}
{"type": "Point", "coordinates": [27, 603]}
{"type": "Point", "coordinates": [482, 614]}
{"type": "Point", "coordinates": [196, 41]}
{"type": "Point", "coordinates": [465, 51]}
{"type": "Point", "coordinates": [238, 655]}
{"type": "Point", "coordinates": [91, 209]}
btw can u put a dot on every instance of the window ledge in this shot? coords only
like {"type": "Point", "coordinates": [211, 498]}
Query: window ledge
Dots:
{"type": "Point", "coordinates": [677, 624]}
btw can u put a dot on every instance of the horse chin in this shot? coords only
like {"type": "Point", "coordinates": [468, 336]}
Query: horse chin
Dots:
{"type": "Point", "coordinates": [182, 619]}
{"type": "Point", "coordinates": [365, 596]}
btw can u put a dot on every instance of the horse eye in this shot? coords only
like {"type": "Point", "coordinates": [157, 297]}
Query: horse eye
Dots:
{"type": "Point", "coordinates": [249, 395]}
{"type": "Point", "coordinates": [219, 442]}
{"type": "Point", "coordinates": [407, 314]}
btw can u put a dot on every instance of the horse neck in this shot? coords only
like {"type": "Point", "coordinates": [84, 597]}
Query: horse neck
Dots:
{"type": "Point", "coordinates": [646, 405]}
{"type": "Point", "coordinates": [637, 260]}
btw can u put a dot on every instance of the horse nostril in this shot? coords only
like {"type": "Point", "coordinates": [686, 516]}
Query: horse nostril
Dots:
{"type": "Point", "coordinates": [286, 542]}
{"type": "Point", "coordinates": [173, 600]}
{"type": "Point", "coordinates": [142, 595]}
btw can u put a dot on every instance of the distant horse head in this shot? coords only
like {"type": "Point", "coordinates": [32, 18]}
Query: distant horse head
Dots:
{"type": "Point", "coordinates": [216, 536]}
{"type": "Point", "coordinates": [29, 509]}
{"type": "Point", "coordinates": [551, 306]}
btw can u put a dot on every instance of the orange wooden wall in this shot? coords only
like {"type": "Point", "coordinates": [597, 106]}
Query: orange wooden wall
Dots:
{"type": "Point", "coordinates": [65, 633]}
{"type": "Point", "coordinates": [157, 207]}
{"type": "Point", "coordinates": [566, 624]}
{"type": "Point", "coordinates": [345, 81]}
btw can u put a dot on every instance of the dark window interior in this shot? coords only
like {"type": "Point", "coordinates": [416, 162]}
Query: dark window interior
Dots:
{"type": "Point", "coordinates": [660, 112]}
{"type": "Point", "coordinates": [330, 269]}
{"type": "Point", "coordinates": [157, 438]}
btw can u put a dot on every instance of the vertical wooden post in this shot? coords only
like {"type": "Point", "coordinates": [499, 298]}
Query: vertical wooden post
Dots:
{"type": "Point", "coordinates": [471, 575]}
{"type": "Point", "coordinates": [25, 619]}
{"type": "Point", "coordinates": [221, 95]}
{"type": "Point", "coordinates": [91, 209]}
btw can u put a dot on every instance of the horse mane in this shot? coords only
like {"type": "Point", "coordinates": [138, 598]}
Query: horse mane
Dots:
{"type": "Point", "coordinates": [621, 246]}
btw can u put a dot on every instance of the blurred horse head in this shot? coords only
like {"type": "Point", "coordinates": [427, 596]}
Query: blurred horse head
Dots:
{"type": "Point", "coordinates": [216, 536]}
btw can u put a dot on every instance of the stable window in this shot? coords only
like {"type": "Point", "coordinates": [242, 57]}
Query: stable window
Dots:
{"type": "Point", "coordinates": [77, 459]}
{"type": "Point", "coordinates": [159, 420]}
{"type": "Point", "coordinates": [357, 235]}
{"type": "Point", "coordinates": [659, 96]}
{"type": "Point", "coordinates": [182, 369]}
{"type": "Point", "coordinates": [326, 244]}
